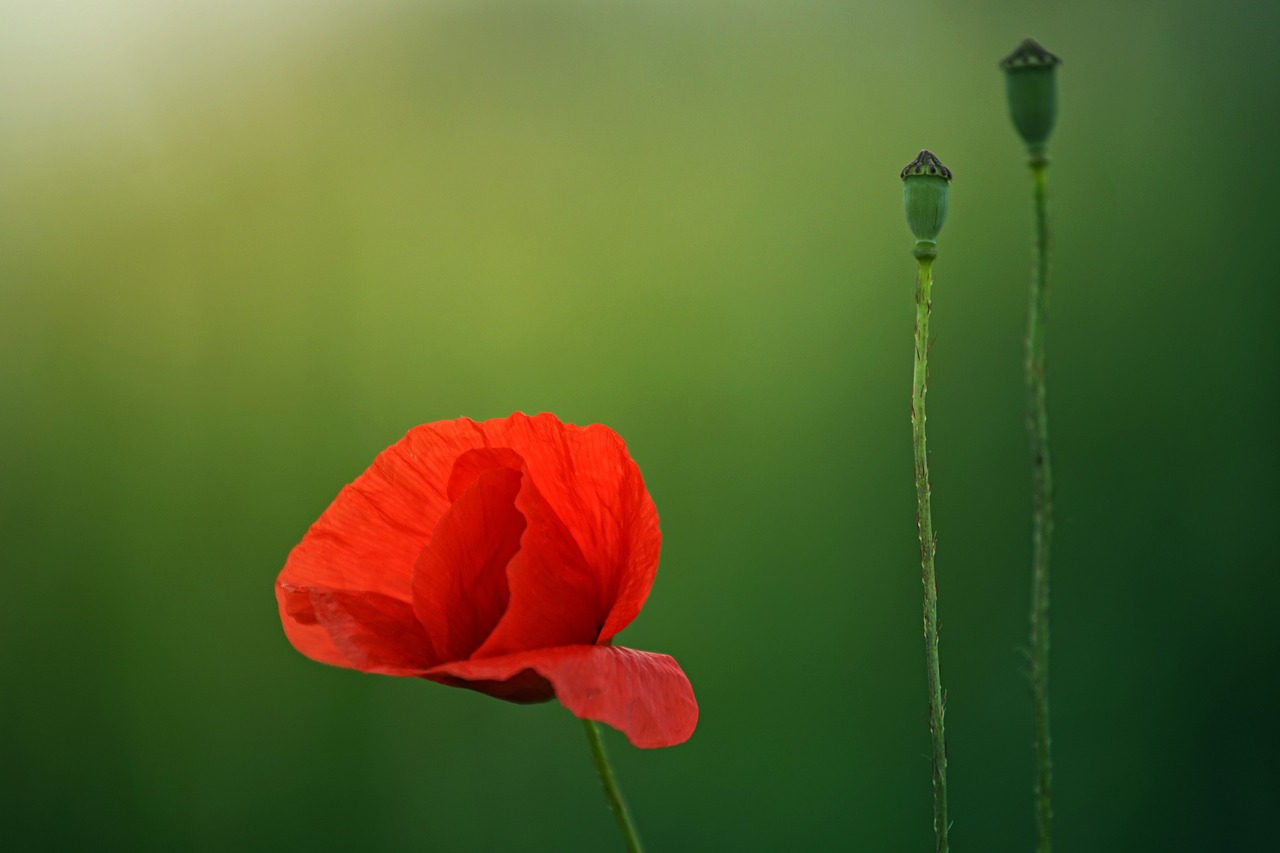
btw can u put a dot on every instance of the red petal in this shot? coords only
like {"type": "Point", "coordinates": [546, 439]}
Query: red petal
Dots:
{"type": "Point", "coordinates": [556, 596]}
{"type": "Point", "coordinates": [524, 688]}
{"type": "Point", "coordinates": [460, 580]}
{"type": "Point", "coordinates": [473, 463]}
{"type": "Point", "coordinates": [370, 536]}
{"type": "Point", "coordinates": [593, 487]}
{"type": "Point", "coordinates": [370, 632]}
{"type": "Point", "coordinates": [644, 695]}
{"type": "Point", "coordinates": [303, 630]}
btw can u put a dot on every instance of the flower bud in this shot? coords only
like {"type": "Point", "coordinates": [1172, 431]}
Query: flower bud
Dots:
{"type": "Point", "coordinates": [1030, 74]}
{"type": "Point", "coordinates": [925, 184]}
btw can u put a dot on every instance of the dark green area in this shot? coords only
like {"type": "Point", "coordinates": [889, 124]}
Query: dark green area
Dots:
{"type": "Point", "coordinates": [230, 275]}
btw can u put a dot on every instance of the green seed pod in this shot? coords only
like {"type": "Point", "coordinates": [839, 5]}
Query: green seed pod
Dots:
{"type": "Point", "coordinates": [925, 185]}
{"type": "Point", "coordinates": [1030, 74]}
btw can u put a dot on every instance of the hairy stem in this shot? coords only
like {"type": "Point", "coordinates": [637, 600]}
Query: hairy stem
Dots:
{"type": "Point", "coordinates": [612, 793]}
{"type": "Point", "coordinates": [928, 547]}
{"type": "Point", "coordinates": [1042, 512]}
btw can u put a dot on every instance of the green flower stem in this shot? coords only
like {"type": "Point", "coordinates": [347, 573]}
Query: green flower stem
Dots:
{"type": "Point", "coordinates": [612, 794]}
{"type": "Point", "coordinates": [928, 544]}
{"type": "Point", "coordinates": [1042, 509]}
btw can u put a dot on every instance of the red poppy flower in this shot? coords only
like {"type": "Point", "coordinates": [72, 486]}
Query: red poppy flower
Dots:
{"type": "Point", "coordinates": [500, 556]}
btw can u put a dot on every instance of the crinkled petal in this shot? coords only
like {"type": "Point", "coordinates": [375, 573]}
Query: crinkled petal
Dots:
{"type": "Point", "coordinates": [644, 695]}
{"type": "Point", "coordinates": [369, 631]}
{"type": "Point", "coordinates": [460, 580]}
{"type": "Point", "coordinates": [592, 485]}
{"type": "Point", "coordinates": [371, 535]}
{"type": "Point", "coordinates": [556, 596]}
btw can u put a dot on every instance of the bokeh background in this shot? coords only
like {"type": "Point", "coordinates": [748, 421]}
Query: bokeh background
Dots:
{"type": "Point", "coordinates": [246, 245]}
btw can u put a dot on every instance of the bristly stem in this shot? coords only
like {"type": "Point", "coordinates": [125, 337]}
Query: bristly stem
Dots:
{"type": "Point", "coordinates": [928, 547]}
{"type": "Point", "coordinates": [612, 793]}
{"type": "Point", "coordinates": [1032, 90]}
{"type": "Point", "coordinates": [1042, 509]}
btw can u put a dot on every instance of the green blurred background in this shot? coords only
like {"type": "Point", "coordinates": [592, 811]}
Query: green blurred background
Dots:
{"type": "Point", "coordinates": [246, 245]}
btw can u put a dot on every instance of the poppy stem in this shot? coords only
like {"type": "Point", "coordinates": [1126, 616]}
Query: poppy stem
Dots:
{"type": "Point", "coordinates": [928, 546]}
{"type": "Point", "coordinates": [612, 793]}
{"type": "Point", "coordinates": [1032, 87]}
{"type": "Point", "coordinates": [1042, 510]}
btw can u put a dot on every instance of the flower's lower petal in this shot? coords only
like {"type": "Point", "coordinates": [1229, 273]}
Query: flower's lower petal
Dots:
{"type": "Point", "coordinates": [644, 695]}
{"type": "Point", "coordinates": [526, 687]}
{"type": "Point", "coordinates": [366, 630]}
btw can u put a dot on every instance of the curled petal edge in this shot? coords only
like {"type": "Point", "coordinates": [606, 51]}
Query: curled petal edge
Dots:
{"type": "Point", "coordinates": [644, 695]}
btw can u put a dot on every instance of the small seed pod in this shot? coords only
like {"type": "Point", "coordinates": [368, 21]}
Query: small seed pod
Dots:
{"type": "Point", "coordinates": [1030, 74]}
{"type": "Point", "coordinates": [925, 185]}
